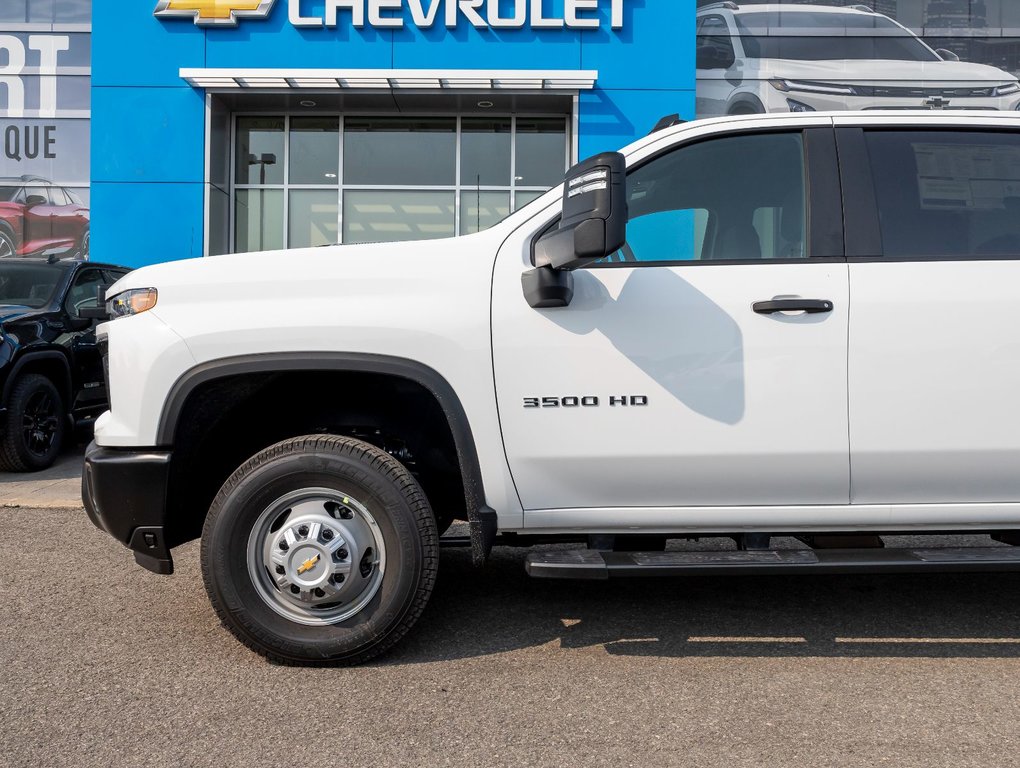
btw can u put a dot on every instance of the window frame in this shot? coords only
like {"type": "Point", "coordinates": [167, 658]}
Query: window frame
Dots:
{"type": "Point", "coordinates": [863, 224]}
{"type": "Point", "coordinates": [823, 206]}
{"type": "Point", "coordinates": [512, 188]}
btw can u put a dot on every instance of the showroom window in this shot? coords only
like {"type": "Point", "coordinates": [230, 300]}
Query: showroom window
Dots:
{"type": "Point", "coordinates": [302, 181]}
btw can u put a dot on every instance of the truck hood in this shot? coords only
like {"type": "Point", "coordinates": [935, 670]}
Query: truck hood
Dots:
{"type": "Point", "coordinates": [927, 74]}
{"type": "Point", "coordinates": [396, 268]}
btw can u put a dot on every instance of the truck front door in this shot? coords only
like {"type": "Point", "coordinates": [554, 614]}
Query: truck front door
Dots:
{"type": "Point", "coordinates": [704, 365]}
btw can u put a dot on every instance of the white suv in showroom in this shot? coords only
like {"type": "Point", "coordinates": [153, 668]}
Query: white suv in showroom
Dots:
{"type": "Point", "coordinates": [806, 58]}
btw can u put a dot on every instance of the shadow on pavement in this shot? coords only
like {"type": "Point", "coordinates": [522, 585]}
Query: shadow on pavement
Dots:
{"type": "Point", "coordinates": [497, 609]}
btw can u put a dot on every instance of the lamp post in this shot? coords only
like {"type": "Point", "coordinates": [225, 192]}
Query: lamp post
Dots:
{"type": "Point", "coordinates": [267, 158]}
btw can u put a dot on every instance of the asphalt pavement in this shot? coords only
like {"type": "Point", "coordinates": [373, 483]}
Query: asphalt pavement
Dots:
{"type": "Point", "coordinates": [105, 664]}
{"type": "Point", "coordinates": [58, 487]}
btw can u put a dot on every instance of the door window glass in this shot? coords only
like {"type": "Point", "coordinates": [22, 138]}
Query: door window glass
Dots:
{"type": "Point", "coordinates": [946, 194]}
{"type": "Point", "coordinates": [57, 196]}
{"type": "Point", "coordinates": [85, 290]}
{"type": "Point", "coordinates": [740, 198]}
{"type": "Point", "coordinates": [36, 196]}
{"type": "Point", "coordinates": [715, 45]}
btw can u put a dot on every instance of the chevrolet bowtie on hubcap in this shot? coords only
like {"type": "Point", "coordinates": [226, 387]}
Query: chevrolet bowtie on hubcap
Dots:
{"type": "Point", "coordinates": [316, 556]}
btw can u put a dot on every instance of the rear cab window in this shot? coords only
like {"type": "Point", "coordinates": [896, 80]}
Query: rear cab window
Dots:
{"type": "Point", "coordinates": [946, 194]}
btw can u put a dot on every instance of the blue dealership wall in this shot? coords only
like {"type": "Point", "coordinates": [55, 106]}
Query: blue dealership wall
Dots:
{"type": "Point", "coordinates": [148, 125]}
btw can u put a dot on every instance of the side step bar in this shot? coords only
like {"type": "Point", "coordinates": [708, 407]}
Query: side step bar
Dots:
{"type": "Point", "coordinates": [595, 564]}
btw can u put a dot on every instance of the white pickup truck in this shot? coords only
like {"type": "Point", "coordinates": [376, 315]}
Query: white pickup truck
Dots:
{"type": "Point", "coordinates": [804, 325]}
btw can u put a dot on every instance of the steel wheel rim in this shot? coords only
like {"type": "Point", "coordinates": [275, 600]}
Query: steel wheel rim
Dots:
{"type": "Point", "coordinates": [333, 563]}
{"type": "Point", "coordinates": [40, 422]}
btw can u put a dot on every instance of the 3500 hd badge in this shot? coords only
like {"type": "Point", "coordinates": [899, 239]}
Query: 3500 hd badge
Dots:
{"type": "Point", "coordinates": [587, 401]}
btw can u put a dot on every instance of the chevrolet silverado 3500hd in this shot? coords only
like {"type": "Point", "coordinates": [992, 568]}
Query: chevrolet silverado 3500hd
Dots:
{"type": "Point", "coordinates": [803, 325]}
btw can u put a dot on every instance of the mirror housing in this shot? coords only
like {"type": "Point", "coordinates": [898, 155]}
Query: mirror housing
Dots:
{"type": "Point", "coordinates": [79, 323]}
{"type": "Point", "coordinates": [946, 54]}
{"type": "Point", "coordinates": [97, 311]}
{"type": "Point", "coordinates": [33, 200]}
{"type": "Point", "coordinates": [593, 224]}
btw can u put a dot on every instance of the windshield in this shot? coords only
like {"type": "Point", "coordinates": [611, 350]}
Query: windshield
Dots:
{"type": "Point", "coordinates": [892, 42]}
{"type": "Point", "coordinates": [29, 285]}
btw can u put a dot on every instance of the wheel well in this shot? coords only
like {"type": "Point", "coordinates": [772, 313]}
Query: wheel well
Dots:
{"type": "Point", "coordinates": [746, 104]}
{"type": "Point", "coordinates": [225, 421]}
{"type": "Point", "coordinates": [53, 366]}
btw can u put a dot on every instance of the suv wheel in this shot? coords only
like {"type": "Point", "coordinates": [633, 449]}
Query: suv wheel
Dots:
{"type": "Point", "coordinates": [320, 550]}
{"type": "Point", "coordinates": [35, 425]}
{"type": "Point", "coordinates": [7, 248]}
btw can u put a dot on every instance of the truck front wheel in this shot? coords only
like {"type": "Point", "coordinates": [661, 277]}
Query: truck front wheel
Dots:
{"type": "Point", "coordinates": [320, 550]}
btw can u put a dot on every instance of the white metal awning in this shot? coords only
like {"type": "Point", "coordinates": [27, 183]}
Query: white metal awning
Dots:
{"type": "Point", "coordinates": [393, 79]}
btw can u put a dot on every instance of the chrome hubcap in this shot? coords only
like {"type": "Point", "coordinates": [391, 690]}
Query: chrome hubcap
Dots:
{"type": "Point", "coordinates": [316, 556]}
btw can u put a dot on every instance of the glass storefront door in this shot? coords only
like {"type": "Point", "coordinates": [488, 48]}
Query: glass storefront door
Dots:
{"type": "Point", "coordinates": [301, 181]}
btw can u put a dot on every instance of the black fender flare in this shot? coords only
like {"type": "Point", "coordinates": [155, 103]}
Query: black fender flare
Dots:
{"type": "Point", "coordinates": [30, 356]}
{"type": "Point", "coordinates": [481, 517]}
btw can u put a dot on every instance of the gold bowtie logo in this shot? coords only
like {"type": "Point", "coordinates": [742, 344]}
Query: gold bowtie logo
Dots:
{"type": "Point", "coordinates": [212, 12]}
{"type": "Point", "coordinates": [307, 565]}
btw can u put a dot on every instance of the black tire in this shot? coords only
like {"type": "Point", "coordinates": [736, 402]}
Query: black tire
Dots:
{"type": "Point", "coordinates": [343, 465]}
{"type": "Point", "coordinates": [8, 249]}
{"type": "Point", "coordinates": [36, 425]}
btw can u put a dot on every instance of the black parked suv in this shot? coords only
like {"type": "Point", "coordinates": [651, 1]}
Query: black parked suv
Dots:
{"type": "Point", "coordinates": [51, 372]}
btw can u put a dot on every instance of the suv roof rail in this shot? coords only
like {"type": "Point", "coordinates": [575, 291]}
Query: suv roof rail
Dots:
{"type": "Point", "coordinates": [667, 122]}
{"type": "Point", "coordinates": [861, 7]}
{"type": "Point", "coordinates": [729, 5]}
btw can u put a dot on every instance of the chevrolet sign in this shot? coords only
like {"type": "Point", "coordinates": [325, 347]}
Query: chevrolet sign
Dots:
{"type": "Point", "coordinates": [214, 12]}
{"type": "Point", "coordinates": [390, 14]}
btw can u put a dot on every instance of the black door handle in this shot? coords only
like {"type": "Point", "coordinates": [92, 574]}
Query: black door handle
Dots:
{"type": "Point", "coordinates": [811, 306]}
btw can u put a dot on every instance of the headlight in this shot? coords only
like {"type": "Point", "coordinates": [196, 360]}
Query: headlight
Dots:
{"type": "Point", "coordinates": [799, 106]}
{"type": "Point", "coordinates": [1006, 90]}
{"type": "Point", "coordinates": [132, 302]}
{"type": "Point", "coordinates": [812, 87]}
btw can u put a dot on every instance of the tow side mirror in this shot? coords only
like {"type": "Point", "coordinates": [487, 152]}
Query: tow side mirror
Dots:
{"type": "Point", "coordinates": [96, 311]}
{"type": "Point", "coordinates": [593, 225]}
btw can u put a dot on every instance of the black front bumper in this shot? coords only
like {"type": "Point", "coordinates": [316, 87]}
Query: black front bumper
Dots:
{"type": "Point", "coordinates": [125, 495]}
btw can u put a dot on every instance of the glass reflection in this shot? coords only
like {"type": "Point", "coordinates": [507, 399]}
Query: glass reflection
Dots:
{"type": "Point", "coordinates": [377, 216]}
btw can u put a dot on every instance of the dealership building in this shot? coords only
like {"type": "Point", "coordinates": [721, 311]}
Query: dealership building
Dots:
{"type": "Point", "coordinates": [223, 126]}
